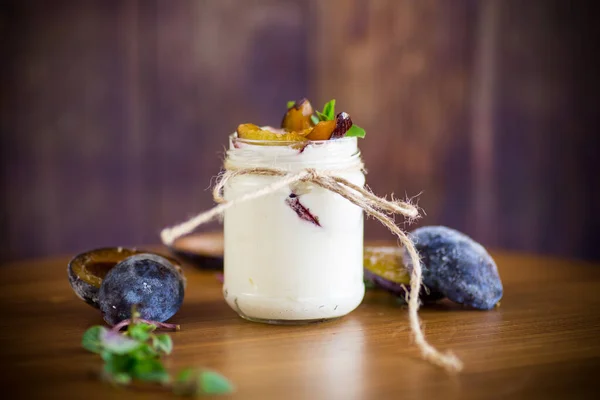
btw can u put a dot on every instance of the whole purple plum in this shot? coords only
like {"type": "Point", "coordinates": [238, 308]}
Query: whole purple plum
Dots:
{"type": "Point", "coordinates": [456, 266]}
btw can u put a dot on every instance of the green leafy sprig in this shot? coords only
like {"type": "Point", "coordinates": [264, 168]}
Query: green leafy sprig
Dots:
{"type": "Point", "coordinates": [328, 114]}
{"type": "Point", "coordinates": [135, 355]}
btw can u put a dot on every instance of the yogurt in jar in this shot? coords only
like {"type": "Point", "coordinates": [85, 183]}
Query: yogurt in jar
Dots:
{"type": "Point", "coordinates": [295, 255]}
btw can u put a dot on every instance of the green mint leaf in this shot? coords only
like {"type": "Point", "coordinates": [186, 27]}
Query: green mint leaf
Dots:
{"type": "Point", "coordinates": [329, 110]}
{"type": "Point", "coordinates": [143, 352]}
{"type": "Point", "coordinates": [151, 370]}
{"type": "Point", "coordinates": [211, 382]}
{"type": "Point", "coordinates": [315, 120]}
{"type": "Point", "coordinates": [291, 104]}
{"type": "Point", "coordinates": [107, 355]}
{"type": "Point", "coordinates": [193, 382]}
{"type": "Point", "coordinates": [356, 131]}
{"type": "Point", "coordinates": [92, 339]}
{"type": "Point", "coordinates": [117, 364]}
{"type": "Point", "coordinates": [162, 343]}
{"type": "Point", "coordinates": [321, 116]}
{"type": "Point", "coordinates": [140, 332]}
{"type": "Point", "coordinates": [114, 342]}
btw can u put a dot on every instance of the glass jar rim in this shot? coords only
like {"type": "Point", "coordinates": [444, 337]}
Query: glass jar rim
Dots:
{"type": "Point", "coordinates": [324, 154]}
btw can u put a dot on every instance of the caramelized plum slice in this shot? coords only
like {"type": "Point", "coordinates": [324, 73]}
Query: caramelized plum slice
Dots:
{"type": "Point", "coordinates": [298, 117]}
{"type": "Point", "coordinates": [322, 131]}
{"type": "Point", "coordinates": [342, 124]}
{"type": "Point", "coordinates": [254, 132]}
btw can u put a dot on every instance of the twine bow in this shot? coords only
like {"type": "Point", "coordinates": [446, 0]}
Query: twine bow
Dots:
{"type": "Point", "coordinates": [380, 208]}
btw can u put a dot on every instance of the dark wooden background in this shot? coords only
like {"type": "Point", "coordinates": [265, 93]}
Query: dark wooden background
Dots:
{"type": "Point", "coordinates": [115, 113]}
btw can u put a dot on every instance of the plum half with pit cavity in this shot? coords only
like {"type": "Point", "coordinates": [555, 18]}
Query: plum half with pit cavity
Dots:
{"type": "Point", "coordinates": [383, 268]}
{"type": "Point", "coordinates": [149, 282]}
{"type": "Point", "coordinates": [87, 270]}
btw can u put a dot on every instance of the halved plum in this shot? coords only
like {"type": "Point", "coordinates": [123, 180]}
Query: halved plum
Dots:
{"type": "Point", "coordinates": [87, 270]}
{"type": "Point", "coordinates": [383, 268]}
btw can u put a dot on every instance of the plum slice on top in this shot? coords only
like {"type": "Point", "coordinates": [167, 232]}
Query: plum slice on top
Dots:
{"type": "Point", "coordinates": [301, 123]}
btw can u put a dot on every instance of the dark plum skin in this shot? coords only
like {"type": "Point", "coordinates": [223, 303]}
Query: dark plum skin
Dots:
{"type": "Point", "coordinates": [457, 266]}
{"type": "Point", "coordinates": [148, 281]}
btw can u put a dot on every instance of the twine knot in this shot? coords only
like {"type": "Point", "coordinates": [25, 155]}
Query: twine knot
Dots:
{"type": "Point", "coordinates": [311, 175]}
{"type": "Point", "coordinates": [377, 207]}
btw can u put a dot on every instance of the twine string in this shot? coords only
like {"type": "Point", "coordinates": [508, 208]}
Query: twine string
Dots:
{"type": "Point", "coordinates": [379, 208]}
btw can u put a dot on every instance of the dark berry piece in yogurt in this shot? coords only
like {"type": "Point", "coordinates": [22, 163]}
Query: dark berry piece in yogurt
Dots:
{"type": "Point", "coordinates": [293, 201]}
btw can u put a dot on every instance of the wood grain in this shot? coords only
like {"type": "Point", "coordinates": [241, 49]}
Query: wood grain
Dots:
{"type": "Point", "coordinates": [543, 342]}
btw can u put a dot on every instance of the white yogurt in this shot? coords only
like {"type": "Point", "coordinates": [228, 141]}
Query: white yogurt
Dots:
{"type": "Point", "coordinates": [280, 267]}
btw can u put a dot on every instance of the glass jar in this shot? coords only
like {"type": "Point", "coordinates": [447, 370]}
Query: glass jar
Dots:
{"type": "Point", "coordinates": [295, 255]}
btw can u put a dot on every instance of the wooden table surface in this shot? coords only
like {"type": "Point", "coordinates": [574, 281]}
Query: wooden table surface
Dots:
{"type": "Point", "coordinates": [543, 342]}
